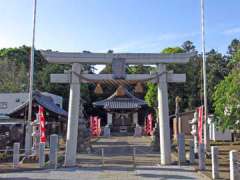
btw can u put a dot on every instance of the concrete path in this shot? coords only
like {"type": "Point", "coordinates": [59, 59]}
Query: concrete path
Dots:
{"type": "Point", "coordinates": [141, 173]}
{"type": "Point", "coordinates": [118, 151]}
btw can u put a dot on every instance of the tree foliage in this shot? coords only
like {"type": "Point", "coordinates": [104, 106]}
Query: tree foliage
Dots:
{"type": "Point", "coordinates": [227, 97]}
{"type": "Point", "coordinates": [14, 68]}
{"type": "Point", "coordinates": [151, 95]}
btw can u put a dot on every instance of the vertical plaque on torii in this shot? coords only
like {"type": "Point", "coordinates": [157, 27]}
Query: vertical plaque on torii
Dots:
{"type": "Point", "coordinates": [118, 68]}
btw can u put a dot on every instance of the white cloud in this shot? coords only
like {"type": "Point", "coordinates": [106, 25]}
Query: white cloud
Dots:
{"type": "Point", "coordinates": [232, 31]}
{"type": "Point", "coordinates": [152, 43]}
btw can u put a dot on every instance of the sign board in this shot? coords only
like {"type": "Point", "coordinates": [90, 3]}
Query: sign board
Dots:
{"type": "Point", "coordinates": [118, 68]}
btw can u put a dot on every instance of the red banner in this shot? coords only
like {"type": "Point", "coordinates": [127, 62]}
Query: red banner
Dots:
{"type": "Point", "coordinates": [42, 123]}
{"type": "Point", "coordinates": [149, 125]}
{"type": "Point", "coordinates": [95, 125]}
{"type": "Point", "coordinates": [200, 124]}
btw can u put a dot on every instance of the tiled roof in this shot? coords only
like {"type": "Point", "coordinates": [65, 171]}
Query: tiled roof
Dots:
{"type": "Point", "coordinates": [45, 101]}
{"type": "Point", "coordinates": [128, 101]}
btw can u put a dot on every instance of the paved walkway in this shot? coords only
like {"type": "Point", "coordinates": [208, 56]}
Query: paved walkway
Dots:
{"type": "Point", "coordinates": [118, 164]}
{"type": "Point", "coordinates": [141, 173]}
{"type": "Point", "coordinates": [118, 152]}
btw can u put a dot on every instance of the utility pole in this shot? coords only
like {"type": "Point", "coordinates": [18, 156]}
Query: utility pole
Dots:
{"type": "Point", "coordinates": [28, 134]}
{"type": "Point", "coordinates": [206, 132]}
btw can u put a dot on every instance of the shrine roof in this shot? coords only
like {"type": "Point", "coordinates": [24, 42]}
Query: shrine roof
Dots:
{"type": "Point", "coordinates": [121, 99]}
{"type": "Point", "coordinates": [43, 100]}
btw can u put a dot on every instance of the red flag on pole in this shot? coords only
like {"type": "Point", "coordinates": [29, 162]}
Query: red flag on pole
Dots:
{"type": "Point", "coordinates": [200, 123]}
{"type": "Point", "coordinates": [95, 126]}
{"type": "Point", "coordinates": [148, 124]}
{"type": "Point", "coordinates": [42, 122]}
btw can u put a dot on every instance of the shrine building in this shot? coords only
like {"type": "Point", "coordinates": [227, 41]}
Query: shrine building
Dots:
{"type": "Point", "coordinates": [122, 110]}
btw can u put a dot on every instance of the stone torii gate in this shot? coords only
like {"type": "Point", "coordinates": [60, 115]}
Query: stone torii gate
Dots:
{"type": "Point", "coordinates": [77, 59]}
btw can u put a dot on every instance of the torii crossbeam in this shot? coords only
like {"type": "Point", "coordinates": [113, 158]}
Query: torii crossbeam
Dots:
{"type": "Point", "coordinates": [76, 59]}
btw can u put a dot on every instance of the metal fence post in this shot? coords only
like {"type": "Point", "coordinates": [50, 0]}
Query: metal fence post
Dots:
{"type": "Point", "coordinates": [102, 150]}
{"type": "Point", "coordinates": [134, 157]}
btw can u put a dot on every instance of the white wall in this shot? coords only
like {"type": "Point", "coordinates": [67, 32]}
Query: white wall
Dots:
{"type": "Point", "coordinates": [216, 135]}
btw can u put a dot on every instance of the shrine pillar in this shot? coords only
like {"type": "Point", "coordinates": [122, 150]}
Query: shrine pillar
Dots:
{"type": "Point", "coordinates": [135, 118]}
{"type": "Point", "coordinates": [163, 116]}
{"type": "Point", "coordinates": [73, 116]}
{"type": "Point", "coordinates": [109, 118]}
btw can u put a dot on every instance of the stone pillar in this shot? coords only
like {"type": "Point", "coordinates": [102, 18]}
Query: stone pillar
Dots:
{"type": "Point", "coordinates": [175, 128]}
{"type": "Point", "coordinates": [191, 152]}
{"type": "Point", "coordinates": [163, 114]}
{"type": "Point", "coordinates": [28, 139]}
{"type": "Point", "coordinates": [135, 118]}
{"type": "Point", "coordinates": [234, 171]}
{"type": "Point", "coordinates": [109, 119]}
{"type": "Point", "coordinates": [106, 131]}
{"type": "Point", "coordinates": [215, 167]}
{"type": "Point", "coordinates": [201, 157]}
{"type": "Point", "coordinates": [206, 134]}
{"type": "Point", "coordinates": [73, 115]}
{"type": "Point", "coordinates": [179, 120]}
{"type": "Point", "coordinates": [181, 148]}
{"type": "Point", "coordinates": [41, 155]}
{"type": "Point", "coordinates": [195, 139]}
{"type": "Point", "coordinates": [53, 150]}
{"type": "Point", "coordinates": [16, 156]}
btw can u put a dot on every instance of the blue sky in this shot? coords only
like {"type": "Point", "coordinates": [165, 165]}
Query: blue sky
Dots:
{"type": "Point", "coordinates": [121, 25]}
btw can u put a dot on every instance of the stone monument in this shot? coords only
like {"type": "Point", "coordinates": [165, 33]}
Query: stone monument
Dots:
{"type": "Point", "coordinates": [84, 135]}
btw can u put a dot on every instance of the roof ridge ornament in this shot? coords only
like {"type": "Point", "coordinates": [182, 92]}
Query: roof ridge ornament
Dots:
{"type": "Point", "coordinates": [120, 91]}
{"type": "Point", "coordinates": [138, 88]}
{"type": "Point", "coordinates": [98, 89]}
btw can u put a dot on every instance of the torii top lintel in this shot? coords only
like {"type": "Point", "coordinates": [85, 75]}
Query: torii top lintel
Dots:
{"type": "Point", "coordinates": [107, 58]}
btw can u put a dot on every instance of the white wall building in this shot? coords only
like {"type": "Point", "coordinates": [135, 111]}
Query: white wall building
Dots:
{"type": "Point", "coordinates": [9, 101]}
{"type": "Point", "coordinates": [216, 135]}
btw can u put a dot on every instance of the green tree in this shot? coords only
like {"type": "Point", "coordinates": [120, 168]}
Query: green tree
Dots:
{"type": "Point", "coordinates": [151, 95]}
{"type": "Point", "coordinates": [227, 101]}
{"type": "Point", "coordinates": [14, 68]}
{"type": "Point", "coordinates": [234, 46]}
{"type": "Point", "coordinates": [226, 98]}
{"type": "Point", "coordinates": [216, 71]}
{"type": "Point", "coordinates": [13, 77]}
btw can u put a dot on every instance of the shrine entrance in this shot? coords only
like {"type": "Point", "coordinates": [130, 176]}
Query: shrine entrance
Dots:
{"type": "Point", "coordinates": [122, 123]}
{"type": "Point", "coordinates": [119, 61]}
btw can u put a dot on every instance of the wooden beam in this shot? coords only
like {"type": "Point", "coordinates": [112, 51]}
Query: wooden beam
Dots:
{"type": "Point", "coordinates": [106, 58]}
{"type": "Point", "coordinates": [65, 78]}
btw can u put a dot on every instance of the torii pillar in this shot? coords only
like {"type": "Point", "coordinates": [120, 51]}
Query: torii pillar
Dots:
{"type": "Point", "coordinates": [163, 116]}
{"type": "Point", "coordinates": [73, 116]}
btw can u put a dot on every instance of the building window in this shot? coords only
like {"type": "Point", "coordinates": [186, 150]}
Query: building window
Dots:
{"type": "Point", "coordinates": [3, 105]}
